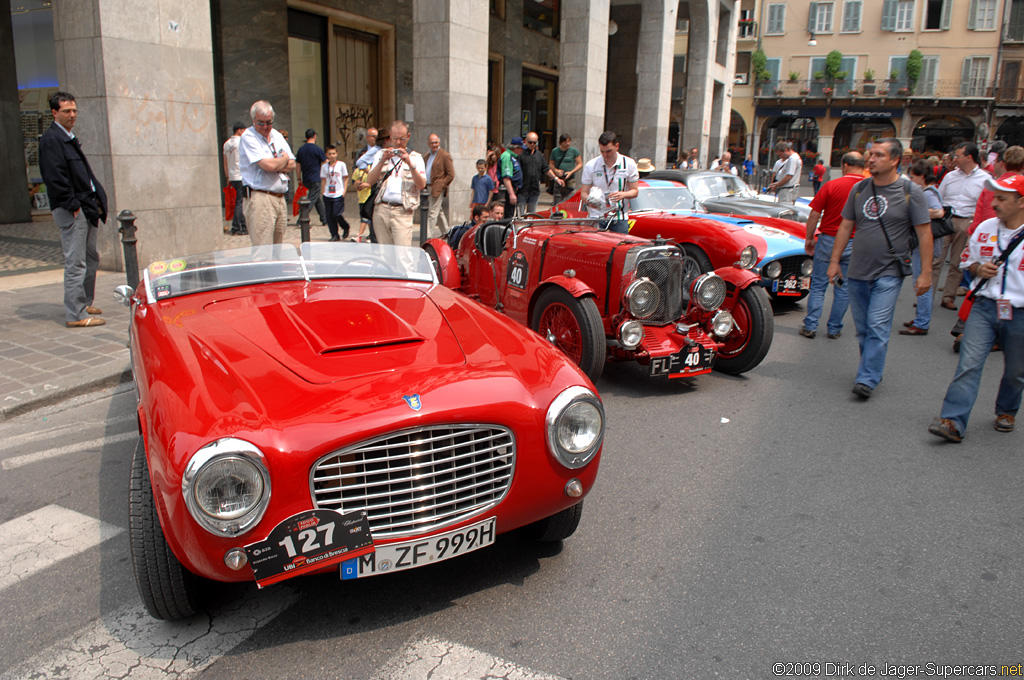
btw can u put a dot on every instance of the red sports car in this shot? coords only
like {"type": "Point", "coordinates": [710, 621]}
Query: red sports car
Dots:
{"type": "Point", "coordinates": [601, 296]}
{"type": "Point", "coordinates": [335, 409]}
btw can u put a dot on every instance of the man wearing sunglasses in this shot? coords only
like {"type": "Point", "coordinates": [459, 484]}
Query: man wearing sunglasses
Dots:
{"type": "Point", "coordinates": [265, 160]}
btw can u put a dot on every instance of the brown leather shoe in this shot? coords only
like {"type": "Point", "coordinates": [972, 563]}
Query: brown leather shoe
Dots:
{"type": "Point", "coordinates": [90, 321]}
{"type": "Point", "coordinates": [93, 310]}
{"type": "Point", "coordinates": [1004, 422]}
{"type": "Point", "coordinates": [944, 427]}
{"type": "Point", "coordinates": [913, 330]}
{"type": "Point", "coordinates": [949, 303]}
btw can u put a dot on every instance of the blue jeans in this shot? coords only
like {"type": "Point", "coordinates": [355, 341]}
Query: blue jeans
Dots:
{"type": "Point", "coordinates": [873, 304]}
{"type": "Point", "coordinates": [924, 302]}
{"type": "Point", "coordinates": [819, 284]}
{"type": "Point", "coordinates": [983, 328]}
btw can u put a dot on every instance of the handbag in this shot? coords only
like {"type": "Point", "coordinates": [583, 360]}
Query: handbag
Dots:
{"type": "Point", "coordinates": [367, 206]}
{"type": "Point", "coordinates": [942, 226]}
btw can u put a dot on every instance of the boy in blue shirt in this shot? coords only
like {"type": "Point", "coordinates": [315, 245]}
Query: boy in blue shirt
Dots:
{"type": "Point", "coordinates": [482, 185]}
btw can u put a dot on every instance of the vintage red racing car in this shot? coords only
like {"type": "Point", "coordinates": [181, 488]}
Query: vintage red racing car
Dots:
{"type": "Point", "coordinates": [601, 296]}
{"type": "Point", "coordinates": [335, 409]}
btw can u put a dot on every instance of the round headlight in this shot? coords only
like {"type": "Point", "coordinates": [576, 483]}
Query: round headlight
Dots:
{"type": "Point", "coordinates": [708, 292]}
{"type": "Point", "coordinates": [226, 486]}
{"type": "Point", "coordinates": [748, 258]}
{"type": "Point", "coordinates": [575, 427]}
{"type": "Point", "coordinates": [806, 266]}
{"type": "Point", "coordinates": [642, 298]}
{"type": "Point", "coordinates": [631, 333]}
{"type": "Point", "coordinates": [773, 269]}
{"type": "Point", "coordinates": [722, 323]}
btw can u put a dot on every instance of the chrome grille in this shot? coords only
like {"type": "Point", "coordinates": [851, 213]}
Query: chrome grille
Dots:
{"type": "Point", "coordinates": [667, 274]}
{"type": "Point", "coordinates": [418, 480]}
{"type": "Point", "coordinates": [791, 265]}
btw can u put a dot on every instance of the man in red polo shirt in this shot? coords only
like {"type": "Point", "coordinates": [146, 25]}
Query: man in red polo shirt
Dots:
{"type": "Point", "coordinates": [827, 206]}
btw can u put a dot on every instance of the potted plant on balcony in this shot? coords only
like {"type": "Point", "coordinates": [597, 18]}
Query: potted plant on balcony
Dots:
{"type": "Point", "coordinates": [894, 75]}
{"type": "Point", "coordinates": [914, 64]}
{"type": "Point", "coordinates": [759, 67]}
{"type": "Point", "coordinates": [869, 81]}
{"type": "Point", "coordinates": [794, 76]}
{"type": "Point", "coordinates": [827, 91]}
{"type": "Point", "coordinates": [804, 91]}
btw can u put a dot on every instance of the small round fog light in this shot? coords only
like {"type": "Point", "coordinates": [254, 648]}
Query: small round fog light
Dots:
{"type": "Point", "coordinates": [631, 333]}
{"type": "Point", "coordinates": [773, 269]}
{"type": "Point", "coordinates": [806, 267]}
{"type": "Point", "coordinates": [574, 489]}
{"type": "Point", "coordinates": [236, 559]}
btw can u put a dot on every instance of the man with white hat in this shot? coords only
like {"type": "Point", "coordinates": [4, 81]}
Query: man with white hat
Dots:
{"type": "Point", "coordinates": [995, 258]}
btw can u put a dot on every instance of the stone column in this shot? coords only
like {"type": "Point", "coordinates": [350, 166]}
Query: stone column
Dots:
{"type": "Point", "coordinates": [450, 40]}
{"type": "Point", "coordinates": [654, 80]}
{"type": "Point", "coordinates": [584, 67]}
{"type": "Point", "coordinates": [711, 60]}
{"type": "Point", "coordinates": [825, 149]}
{"type": "Point", "coordinates": [14, 198]}
{"type": "Point", "coordinates": [143, 81]}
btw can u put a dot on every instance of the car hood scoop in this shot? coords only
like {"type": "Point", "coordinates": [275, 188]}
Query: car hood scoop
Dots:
{"type": "Point", "coordinates": [326, 332]}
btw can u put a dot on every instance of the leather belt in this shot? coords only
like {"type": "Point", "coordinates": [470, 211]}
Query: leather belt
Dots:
{"type": "Point", "coordinates": [272, 193]}
{"type": "Point", "coordinates": [393, 205]}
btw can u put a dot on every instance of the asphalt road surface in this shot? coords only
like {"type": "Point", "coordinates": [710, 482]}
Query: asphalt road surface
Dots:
{"type": "Point", "coordinates": [737, 523]}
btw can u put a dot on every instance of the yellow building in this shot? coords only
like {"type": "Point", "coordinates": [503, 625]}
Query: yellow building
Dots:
{"type": "Point", "coordinates": [932, 73]}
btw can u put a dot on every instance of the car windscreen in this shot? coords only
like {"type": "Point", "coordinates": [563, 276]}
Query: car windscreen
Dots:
{"type": "Point", "coordinates": [663, 198]}
{"type": "Point", "coordinates": [283, 262]}
{"type": "Point", "coordinates": [706, 187]}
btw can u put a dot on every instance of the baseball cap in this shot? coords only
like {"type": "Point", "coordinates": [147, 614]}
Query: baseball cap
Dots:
{"type": "Point", "coordinates": [516, 141]}
{"type": "Point", "coordinates": [1014, 183]}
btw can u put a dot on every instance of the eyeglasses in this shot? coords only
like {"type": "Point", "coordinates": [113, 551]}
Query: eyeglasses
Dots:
{"type": "Point", "coordinates": [263, 123]}
{"type": "Point", "coordinates": [531, 141]}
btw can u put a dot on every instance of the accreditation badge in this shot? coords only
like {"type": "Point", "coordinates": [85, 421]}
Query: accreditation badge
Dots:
{"type": "Point", "coordinates": [1004, 311]}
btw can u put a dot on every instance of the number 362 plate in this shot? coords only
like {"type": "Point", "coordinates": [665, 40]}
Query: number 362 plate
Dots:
{"type": "Point", "coordinates": [398, 556]}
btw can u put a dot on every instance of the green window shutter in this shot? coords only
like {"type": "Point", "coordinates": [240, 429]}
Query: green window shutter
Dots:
{"type": "Point", "coordinates": [889, 15]}
{"type": "Point", "coordinates": [972, 15]}
{"type": "Point", "coordinates": [965, 78]}
{"type": "Point", "coordinates": [812, 17]}
{"type": "Point", "coordinates": [947, 10]}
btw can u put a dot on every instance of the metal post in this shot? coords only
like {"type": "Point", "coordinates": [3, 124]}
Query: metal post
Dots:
{"type": "Point", "coordinates": [424, 208]}
{"type": "Point", "coordinates": [304, 218]}
{"type": "Point", "coordinates": [128, 240]}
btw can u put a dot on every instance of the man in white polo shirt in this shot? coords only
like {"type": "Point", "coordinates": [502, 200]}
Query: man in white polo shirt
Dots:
{"type": "Point", "coordinates": [265, 160]}
{"type": "Point", "coordinates": [607, 183]}
{"type": "Point", "coordinates": [400, 194]}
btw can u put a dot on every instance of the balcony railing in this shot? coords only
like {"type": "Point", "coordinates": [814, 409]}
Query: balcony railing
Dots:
{"type": "Point", "coordinates": [876, 89]}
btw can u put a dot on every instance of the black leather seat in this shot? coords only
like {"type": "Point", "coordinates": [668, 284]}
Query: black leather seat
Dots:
{"type": "Point", "coordinates": [491, 238]}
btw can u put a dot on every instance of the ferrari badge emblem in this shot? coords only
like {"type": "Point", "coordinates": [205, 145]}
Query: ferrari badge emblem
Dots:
{"type": "Point", "coordinates": [414, 402]}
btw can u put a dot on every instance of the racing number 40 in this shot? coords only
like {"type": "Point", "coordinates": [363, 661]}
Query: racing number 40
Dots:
{"type": "Point", "coordinates": [308, 538]}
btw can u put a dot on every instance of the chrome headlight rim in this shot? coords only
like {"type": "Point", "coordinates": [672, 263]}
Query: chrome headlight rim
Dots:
{"type": "Point", "coordinates": [806, 267]}
{"type": "Point", "coordinates": [748, 257]}
{"type": "Point", "coordinates": [633, 298]}
{"type": "Point", "coordinates": [562, 405]}
{"type": "Point", "coordinates": [708, 292]}
{"type": "Point", "coordinates": [630, 328]}
{"type": "Point", "coordinates": [722, 323]}
{"type": "Point", "coordinates": [772, 270]}
{"type": "Point", "coordinates": [225, 449]}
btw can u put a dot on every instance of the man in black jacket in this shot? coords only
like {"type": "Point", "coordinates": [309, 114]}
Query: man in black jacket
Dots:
{"type": "Point", "coordinates": [78, 203]}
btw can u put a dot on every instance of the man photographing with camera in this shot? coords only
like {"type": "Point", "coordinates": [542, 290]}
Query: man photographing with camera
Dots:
{"type": "Point", "coordinates": [404, 177]}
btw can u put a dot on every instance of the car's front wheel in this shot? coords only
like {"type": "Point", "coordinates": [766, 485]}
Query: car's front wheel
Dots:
{"type": "Point", "coordinates": [574, 326]}
{"type": "Point", "coordinates": [751, 338]}
{"type": "Point", "coordinates": [559, 526]}
{"type": "Point", "coordinates": [168, 589]}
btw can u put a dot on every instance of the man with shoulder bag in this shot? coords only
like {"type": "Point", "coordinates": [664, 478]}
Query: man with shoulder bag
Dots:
{"type": "Point", "coordinates": [886, 211]}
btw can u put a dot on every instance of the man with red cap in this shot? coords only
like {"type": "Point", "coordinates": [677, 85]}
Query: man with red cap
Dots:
{"type": "Point", "coordinates": [995, 259]}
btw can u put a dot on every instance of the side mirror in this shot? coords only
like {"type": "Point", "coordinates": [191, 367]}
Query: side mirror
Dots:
{"type": "Point", "coordinates": [123, 294]}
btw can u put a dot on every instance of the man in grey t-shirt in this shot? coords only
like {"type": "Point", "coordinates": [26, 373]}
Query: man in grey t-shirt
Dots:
{"type": "Point", "coordinates": [883, 206]}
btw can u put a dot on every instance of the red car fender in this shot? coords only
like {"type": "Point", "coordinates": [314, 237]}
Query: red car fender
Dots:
{"type": "Point", "coordinates": [448, 266]}
{"type": "Point", "coordinates": [737, 276]}
{"type": "Point", "coordinates": [572, 286]}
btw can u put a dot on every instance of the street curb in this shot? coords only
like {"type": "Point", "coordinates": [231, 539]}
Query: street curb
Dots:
{"type": "Point", "coordinates": [59, 394]}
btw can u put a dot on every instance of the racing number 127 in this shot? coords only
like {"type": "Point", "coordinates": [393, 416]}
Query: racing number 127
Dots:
{"type": "Point", "coordinates": [308, 538]}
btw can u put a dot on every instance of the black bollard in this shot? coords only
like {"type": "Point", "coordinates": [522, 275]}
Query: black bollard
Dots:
{"type": "Point", "coordinates": [128, 240]}
{"type": "Point", "coordinates": [304, 218]}
{"type": "Point", "coordinates": [424, 208]}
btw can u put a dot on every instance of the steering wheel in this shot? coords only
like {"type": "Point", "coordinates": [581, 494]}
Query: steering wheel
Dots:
{"type": "Point", "coordinates": [374, 263]}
